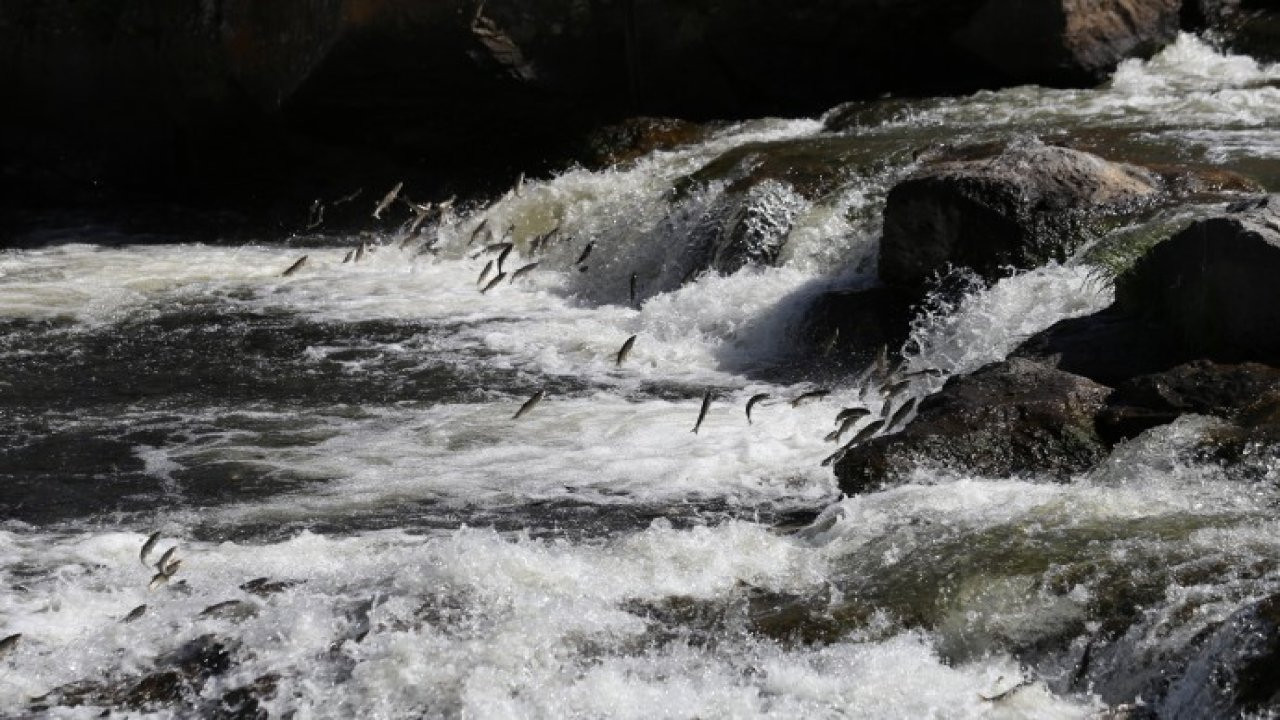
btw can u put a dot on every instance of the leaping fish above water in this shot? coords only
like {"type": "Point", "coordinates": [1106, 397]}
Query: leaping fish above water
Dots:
{"type": "Point", "coordinates": [902, 412]}
{"type": "Point", "coordinates": [529, 404]}
{"type": "Point", "coordinates": [359, 252]}
{"type": "Point", "coordinates": [502, 256]}
{"type": "Point", "coordinates": [134, 614]}
{"type": "Point", "coordinates": [493, 283]}
{"type": "Point", "coordinates": [294, 267]}
{"type": "Point", "coordinates": [484, 225]}
{"type": "Point", "coordinates": [164, 559]}
{"type": "Point", "coordinates": [811, 395]}
{"type": "Point", "coordinates": [632, 289]}
{"type": "Point", "coordinates": [522, 270]}
{"type": "Point", "coordinates": [853, 411]}
{"type": "Point", "coordinates": [316, 216]}
{"type": "Point", "coordinates": [348, 198]}
{"type": "Point", "coordinates": [148, 546]}
{"type": "Point", "coordinates": [849, 422]}
{"type": "Point", "coordinates": [755, 400]}
{"type": "Point", "coordinates": [586, 252]}
{"type": "Point", "coordinates": [1007, 693]}
{"type": "Point", "coordinates": [8, 644]}
{"type": "Point", "coordinates": [485, 272]}
{"type": "Point", "coordinates": [702, 414]}
{"type": "Point", "coordinates": [387, 199]}
{"type": "Point", "coordinates": [626, 350]}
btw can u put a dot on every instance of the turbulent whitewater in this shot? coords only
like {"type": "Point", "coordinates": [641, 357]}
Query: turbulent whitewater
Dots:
{"type": "Point", "coordinates": [346, 432]}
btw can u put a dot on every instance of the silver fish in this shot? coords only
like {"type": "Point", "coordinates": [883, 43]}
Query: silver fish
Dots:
{"type": "Point", "coordinates": [157, 581]}
{"type": "Point", "coordinates": [8, 644]}
{"type": "Point", "coordinates": [539, 243]}
{"type": "Point", "coordinates": [893, 391]}
{"type": "Point", "coordinates": [485, 272]}
{"type": "Point", "coordinates": [625, 351]}
{"type": "Point", "coordinates": [522, 270]}
{"type": "Point", "coordinates": [492, 283]}
{"type": "Point", "coordinates": [359, 252]}
{"type": "Point", "coordinates": [1002, 695]}
{"type": "Point", "coordinates": [503, 255]}
{"type": "Point", "coordinates": [134, 614]}
{"type": "Point", "coordinates": [811, 395]}
{"type": "Point", "coordinates": [148, 546]}
{"type": "Point", "coordinates": [519, 186]}
{"type": "Point", "coordinates": [586, 252]}
{"type": "Point", "coordinates": [347, 259]}
{"type": "Point", "coordinates": [495, 247]}
{"type": "Point", "coordinates": [294, 267]}
{"type": "Point", "coordinates": [387, 199]}
{"type": "Point", "coordinates": [484, 225]}
{"type": "Point", "coordinates": [348, 198]}
{"type": "Point", "coordinates": [529, 404]}
{"type": "Point", "coordinates": [927, 372]}
{"type": "Point", "coordinates": [702, 414]}
{"type": "Point", "coordinates": [902, 412]}
{"type": "Point", "coordinates": [755, 399]}
{"type": "Point", "coordinates": [166, 557]}
{"type": "Point", "coordinates": [848, 423]}
{"type": "Point", "coordinates": [871, 429]}
{"type": "Point", "coordinates": [172, 568]}
{"type": "Point", "coordinates": [632, 293]}
{"type": "Point", "coordinates": [854, 411]}
{"type": "Point", "coordinates": [316, 216]}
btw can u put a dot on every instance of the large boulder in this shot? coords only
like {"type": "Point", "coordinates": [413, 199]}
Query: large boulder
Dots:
{"type": "Point", "coordinates": [1008, 418]}
{"type": "Point", "coordinates": [1211, 288]}
{"type": "Point", "coordinates": [1025, 206]}
{"type": "Point", "coordinates": [1200, 387]}
{"type": "Point", "coordinates": [846, 328]}
{"type": "Point", "coordinates": [1067, 42]}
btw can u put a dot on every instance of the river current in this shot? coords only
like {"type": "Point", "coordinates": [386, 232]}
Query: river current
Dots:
{"type": "Point", "coordinates": [346, 432]}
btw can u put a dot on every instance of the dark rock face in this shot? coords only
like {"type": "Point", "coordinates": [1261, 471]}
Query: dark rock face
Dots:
{"type": "Point", "coordinates": [1005, 419]}
{"type": "Point", "coordinates": [1068, 42]}
{"type": "Point", "coordinates": [1208, 292]}
{"type": "Point", "coordinates": [847, 327]}
{"type": "Point", "coordinates": [142, 92]}
{"type": "Point", "coordinates": [1211, 288]}
{"type": "Point", "coordinates": [1030, 204]}
{"type": "Point", "coordinates": [1199, 387]}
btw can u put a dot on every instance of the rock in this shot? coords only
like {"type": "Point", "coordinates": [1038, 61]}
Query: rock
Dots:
{"type": "Point", "coordinates": [1210, 289]}
{"type": "Point", "coordinates": [626, 141]}
{"type": "Point", "coordinates": [1107, 347]}
{"type": "Point", "coordinates": [846, 328]}
{"type": "Point", "coordinates": [1009, 418]}
{"type": "Point", "coordinates": [1071, 42]}
{"type": "Point", "coordinates": [1029, 204]}
{"type": "Point", "coordinates": [1201, 387]}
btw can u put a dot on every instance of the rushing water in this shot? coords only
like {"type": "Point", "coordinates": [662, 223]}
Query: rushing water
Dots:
{"type": "Point", "coordinates": [347, 433]}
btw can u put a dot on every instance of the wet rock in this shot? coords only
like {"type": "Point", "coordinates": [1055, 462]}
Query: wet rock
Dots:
{"type": "Point", "coordinates": [1009, 418]}
{"type": "Point", "coordinates": [846, 328]}
{"type": "Point", "coordinates": [1210, 289]}
{"type": "Point", "coordinates": [634, 138]}
{"type": "Point", "coordinates": [1108, 347]}
{"type": "Point", "coordinates": [1025, 206]}
{"type": "Point", "coordinates": [1201, 387]}
{"type": "Point", "coordinates": [1067, 43]}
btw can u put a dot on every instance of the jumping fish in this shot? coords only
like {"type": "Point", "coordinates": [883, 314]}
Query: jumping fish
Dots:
{"type": "Point", "coordinates": [172, 568]}
{"type": "Point", "coordinates": [387, 199]}
{"type": "Point", "coordinates": [586, 252]}
{"type": "Point", "coordinates": [927, 372]}
{"type": "Point", "coordinates": [8, 644]}
{"type": "Point", "coordinates": [359, 252]}
{"type": "Point", "coordinates": [165, 558]}
{"type": "Point", "coordinates": [902, 412]}
{"type": "Point", "coordinates": [316, 216]}
{"type": "Point", "coordinates": [895, 390]}
{"type": "Point", "coordinates": [347, 259]}
{"type": "Point", "coordinates": [348, 198]}
{"type": "Point", "coordinates": [632, 289]}
{"type": "Point", "coordinates": [853, 411]}
{"type": "Point", "coordinates": [702, 414]}
{"type": "Point", "coordinates": [1005, 694]}
{"type": "Point", "coordinates": [485, 272]}
{"type": "Point", "coordinates": [493, 283]}
{"type": "Point", "coordinates": [157, 580]}
{"type": "Point", "coordinates": [134, 614]}
{"type": "Point", "coordinates": [518, 186]}
{"type": "Point", "coordinates": [294, 267]}
{"type": "Point", "coordinates": [626, 350]}
{"type": "Point", "coordinates": [148, 546]}
{"type": "Point", "coordinates": [522, 270]}
{"type": "Point", "coordinates": [811, 395]}
{"type": "Point", "coordinates": [484, 225]}
{"type": "Point", "coordinates": [848, 423]}
{"type": "Point", "coordinates": [529, 404]}
{"type": "Point", "coordinates": [871, 429]}
{"type": "Point", "coordinates": [503, 255]}
{"type": "Point", "coordinates": [755, 399]}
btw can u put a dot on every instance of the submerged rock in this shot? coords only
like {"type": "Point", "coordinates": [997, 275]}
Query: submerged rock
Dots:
{"type": "Point", "coordinates": [1009, 418]}
{"type": "Point", "coordinates": [1029, 204]}
{"type": "Point", "coordinates": [847, 328]}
